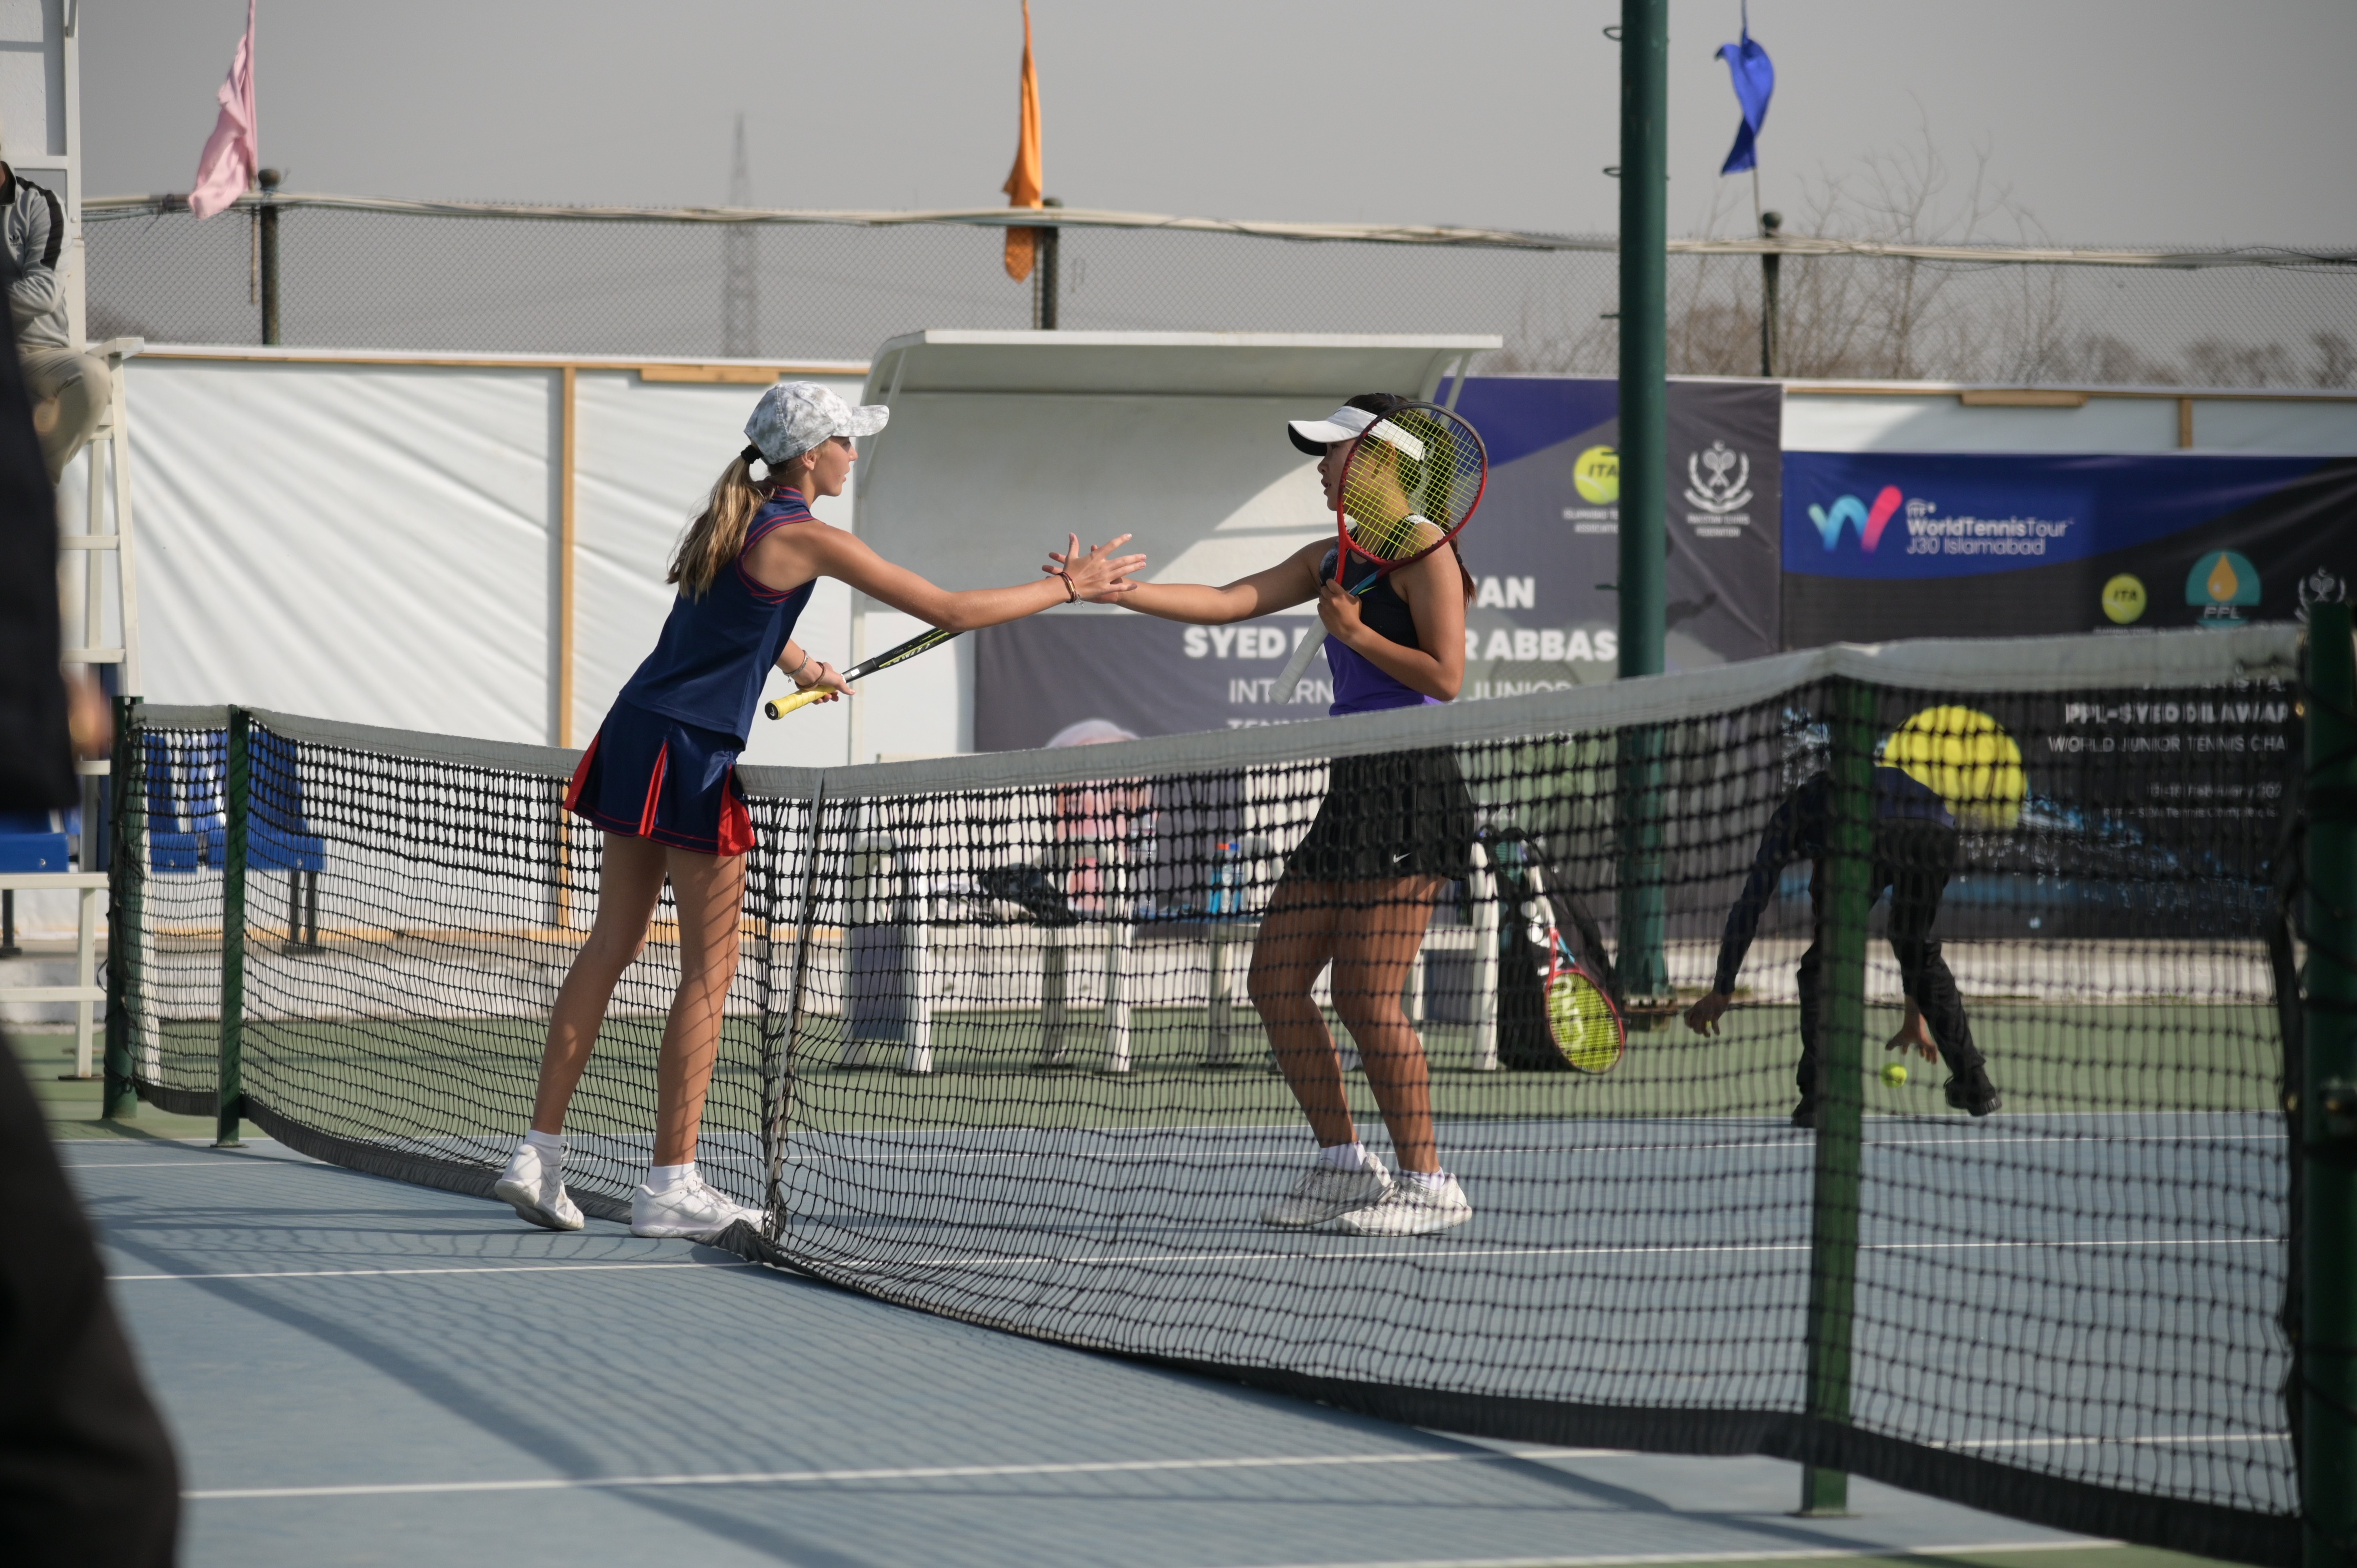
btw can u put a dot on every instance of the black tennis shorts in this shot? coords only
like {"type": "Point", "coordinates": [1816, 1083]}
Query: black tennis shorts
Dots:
{"type": "Point", "coordinates": [1398, 814]}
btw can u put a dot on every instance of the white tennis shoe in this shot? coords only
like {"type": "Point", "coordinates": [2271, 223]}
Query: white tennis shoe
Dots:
{"type": "Point", "coordinates": [1325, 1191]}
{"type": "Point", "coordinates": [534, 1188]}
{"type": "Point", "coordinates": [1410, 1208]}
{"type": "Point", "coordinates": [691, 1209]}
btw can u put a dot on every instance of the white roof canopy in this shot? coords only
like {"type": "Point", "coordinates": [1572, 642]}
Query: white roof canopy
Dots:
{"type": "Point", "coordinates": [1001, 443]}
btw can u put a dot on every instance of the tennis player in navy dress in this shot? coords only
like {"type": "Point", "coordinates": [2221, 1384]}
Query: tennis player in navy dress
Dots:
{"type": "Point", "coordinates": [661, 777]}
{"type": "Point", "coordinates": [1358, 891]}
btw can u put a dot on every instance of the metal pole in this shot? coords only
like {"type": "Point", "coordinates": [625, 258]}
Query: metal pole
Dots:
{"type": "Point", "coordinates": [2328, 1103]}
{"type": "Point", "coordinates": [1644, 469]}
{"type": "Point", "coordinates": [1644, 330]}
{"type": "Point", "coordinates": [269, 220]}
{"type": "Point", "coordinates": [1046, 242]}
{"type": "Point", "coordinates": [1770, 264]}
{"type": "Point", "coordinates": [229, 1090]}
{"type": "Point", "coordinates": [1839, 1088]}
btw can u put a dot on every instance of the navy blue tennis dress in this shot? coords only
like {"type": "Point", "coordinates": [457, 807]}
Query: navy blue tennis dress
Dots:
{"type": "Point", "coordinates": [664, 765]}
{"type": "Point", "coordinates": [1395, 813]}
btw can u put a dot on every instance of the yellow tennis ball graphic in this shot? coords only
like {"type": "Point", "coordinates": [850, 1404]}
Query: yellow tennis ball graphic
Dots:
{"type": "Point", "coordinates": [2123, 599]}
{"type": "Point", "coordinates": [1967, 757]}
{"type": "Point", "coordinates": [1597, 474]}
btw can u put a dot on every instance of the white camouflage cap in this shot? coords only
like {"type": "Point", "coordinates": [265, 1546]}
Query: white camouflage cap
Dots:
{"type": "Point", "coordinates": [794, 417]}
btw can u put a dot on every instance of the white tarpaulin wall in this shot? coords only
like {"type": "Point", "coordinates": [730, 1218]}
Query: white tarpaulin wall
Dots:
{"type": "Point", "coordinates": [1002, 443]}
{"type": "Point", "coordinates": [383, 541]}
{"type": "Point", "coordinates": [380, 540]}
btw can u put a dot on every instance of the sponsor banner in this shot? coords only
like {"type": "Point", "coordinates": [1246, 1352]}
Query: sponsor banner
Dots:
{"type": "Point", "coordinates": [1071, 678]}
{"type": "Point", "coordinates": [1546, 544]}
{"type": "Point", "coordinates": [2075, 813]}
{"type": "Point", "coordinates": [1544, 551]}
{"type": "Point", "coordinates": [1884, 545]}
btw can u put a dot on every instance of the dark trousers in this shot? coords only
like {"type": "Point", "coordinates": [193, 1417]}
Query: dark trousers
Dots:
{"type": "Point", "coordinates": [87, 1476]}
{"type": "Point", "coordinates": [1912, 858]}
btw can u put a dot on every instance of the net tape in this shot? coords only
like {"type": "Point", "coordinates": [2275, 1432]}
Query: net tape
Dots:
{"type": "Point", "coordinates": [991, 1049]}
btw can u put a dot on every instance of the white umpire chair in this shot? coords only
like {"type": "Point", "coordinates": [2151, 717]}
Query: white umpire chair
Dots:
{"type": "Point", "coordinates": [107, 531]}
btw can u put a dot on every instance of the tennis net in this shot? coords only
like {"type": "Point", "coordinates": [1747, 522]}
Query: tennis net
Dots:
{"type": "Point", "coordinates": [993, 1048]}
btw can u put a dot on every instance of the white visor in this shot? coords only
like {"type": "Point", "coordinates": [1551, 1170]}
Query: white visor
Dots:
{"type": "Point", "coordinates": [1346, 423]}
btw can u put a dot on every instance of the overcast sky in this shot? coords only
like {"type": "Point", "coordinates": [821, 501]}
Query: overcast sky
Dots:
{"type": "Point", "coordinates": [2110, 120]}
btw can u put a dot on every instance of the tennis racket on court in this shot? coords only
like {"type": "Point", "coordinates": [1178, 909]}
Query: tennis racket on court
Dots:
{"type": "Point", "coordinates": [1583, 1014]}
{"type": "Point", "coordinates": [781, 707]}
{"type": "Point", "coordinates": [1409, 487]}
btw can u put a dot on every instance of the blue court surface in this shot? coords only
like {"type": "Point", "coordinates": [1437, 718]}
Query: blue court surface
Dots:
{"type": "Point", "coordinates": [363, 1371]}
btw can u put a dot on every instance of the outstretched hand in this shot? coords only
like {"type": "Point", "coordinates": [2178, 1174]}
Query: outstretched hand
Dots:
{"type": "Point", "coordinates": [1095, 574]}
{"type": "Point", "coordinates": [1913, 1035]}
{"type": "Point", "coordinates": [1703, 1015]}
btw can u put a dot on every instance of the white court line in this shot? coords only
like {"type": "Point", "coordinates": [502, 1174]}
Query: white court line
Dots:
{"type": "Point", "coordinates": [2075, 1543]}
{"type": "Point", "coordinates": [1446, 1253]}
{"type": "Point", "coordinates": [823, 1477]}
{"type": "Point", "coordinates": [463, 1268]}
{"type": "Point", "coordinates": [228, 1165]}
{"type": "Point", "coordinates": [1795, 1143]}
{"type": "Point", "coordinates": [2121, 1442]}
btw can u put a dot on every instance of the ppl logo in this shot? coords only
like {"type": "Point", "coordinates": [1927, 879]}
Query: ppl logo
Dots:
{"type": "Point", "coordinates": [1851, 512]}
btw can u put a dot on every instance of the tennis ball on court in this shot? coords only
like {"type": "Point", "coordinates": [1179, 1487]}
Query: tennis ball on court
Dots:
{"type": "Point", "coordinates": [1894, 1073]}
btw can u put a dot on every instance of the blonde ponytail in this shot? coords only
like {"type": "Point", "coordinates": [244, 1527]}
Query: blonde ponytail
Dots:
{"type": "Point", "coordinates": [717, 534]}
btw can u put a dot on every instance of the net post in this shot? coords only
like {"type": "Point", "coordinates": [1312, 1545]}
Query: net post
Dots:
{"type": "Point", "coordinates": [125, 863]}
{"type": "Point", "coordinates": [230, 1090]}
{"type": "Point", "coordinates": [2326, 1351]}
{"type": "Point", "coordinates": [1839, 1090]}
{"type": "Point", "coordinates": [777, 1050]}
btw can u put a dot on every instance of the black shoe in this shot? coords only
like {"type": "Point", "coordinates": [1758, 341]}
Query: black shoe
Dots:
{"type": "Point", "coordinates": [1976, 1096]}
{"type": "Point", "coordinates": [1805, 1114]}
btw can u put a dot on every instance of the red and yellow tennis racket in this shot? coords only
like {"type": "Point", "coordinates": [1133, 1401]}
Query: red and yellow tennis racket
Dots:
{"type": "Point", "coordinates": [1583, 1020]}
{"type": "Point", "coordinates": [1410, 485]}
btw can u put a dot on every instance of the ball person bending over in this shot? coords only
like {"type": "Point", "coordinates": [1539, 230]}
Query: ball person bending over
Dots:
{"type": "Point", "coordinates": [1358, 891]}
{"type": "Point", "coordinates": [659, 778]}
{"type": "Point", "coordinates": [1914, 850]}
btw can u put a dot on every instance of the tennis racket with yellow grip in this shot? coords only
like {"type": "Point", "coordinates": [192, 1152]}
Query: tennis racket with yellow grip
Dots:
{"type": "Point", "coordinates": [1410, 485]}
{"type": "Point", "coordinates": [781, 707]}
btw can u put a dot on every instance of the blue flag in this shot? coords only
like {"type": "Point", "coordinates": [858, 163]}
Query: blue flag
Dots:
{"type": "Point", "coordinates": [1755, 80]}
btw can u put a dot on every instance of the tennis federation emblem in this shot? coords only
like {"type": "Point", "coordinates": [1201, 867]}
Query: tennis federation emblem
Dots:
{"type": "Point", "coordinates": [1719, 482]}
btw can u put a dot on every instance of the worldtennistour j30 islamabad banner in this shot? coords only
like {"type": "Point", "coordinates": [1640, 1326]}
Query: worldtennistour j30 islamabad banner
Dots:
{"type": "Point", "coordinates": [1893, 544]}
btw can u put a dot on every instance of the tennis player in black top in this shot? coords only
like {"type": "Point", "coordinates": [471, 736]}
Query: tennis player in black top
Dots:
{"type": "Point", "coordinates": [1914, 850]}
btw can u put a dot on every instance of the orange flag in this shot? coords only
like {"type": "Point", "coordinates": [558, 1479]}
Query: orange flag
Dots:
{"type": "Point", "coordinates": [1023, 186]}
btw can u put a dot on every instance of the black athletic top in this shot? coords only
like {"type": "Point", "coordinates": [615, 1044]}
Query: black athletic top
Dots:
{"type": "Point", "coordinates": [1362, 686]}
{"type": "Point", "coordinates": [1799, 831]}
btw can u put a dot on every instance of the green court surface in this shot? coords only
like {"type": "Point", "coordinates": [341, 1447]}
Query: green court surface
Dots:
{"type": "Point", "coordinates": [475, 1076]}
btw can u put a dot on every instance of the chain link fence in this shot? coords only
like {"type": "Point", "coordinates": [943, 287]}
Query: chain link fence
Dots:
{"type": "Point", "coordinates": [427, 277]}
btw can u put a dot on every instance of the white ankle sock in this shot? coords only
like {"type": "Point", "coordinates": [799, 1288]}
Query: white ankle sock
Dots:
{"type": "Point", "coordinates": [662, 1179]}
{"type": "Point", "coordinates": [1344, 1156]}
{"type": "Point", "coordinates": [1431, 1181]}
{"type": "Point", "coordinates": [549, 1144]}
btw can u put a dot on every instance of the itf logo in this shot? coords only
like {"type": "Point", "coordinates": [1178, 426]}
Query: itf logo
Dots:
{"type": "Point", "coordinates": [1851, 512]}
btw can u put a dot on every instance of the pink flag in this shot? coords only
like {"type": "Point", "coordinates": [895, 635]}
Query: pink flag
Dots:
{"type": "Point", "coordinates": [232, 153]}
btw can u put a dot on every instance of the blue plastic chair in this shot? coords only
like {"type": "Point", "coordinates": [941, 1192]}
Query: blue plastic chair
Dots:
{"type": "Point", "coordinates": [29, 841]}
{"type": "Point", "coordinates": [278, 836]}
{"type": "Point", "coordinates": [181, 841]}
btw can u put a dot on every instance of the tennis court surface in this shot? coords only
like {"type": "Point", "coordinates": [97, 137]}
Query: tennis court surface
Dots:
{"type": "Point", "coordinates": [989, 1056]}
{"type": "Point", "coordinates": [359, 1370]}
